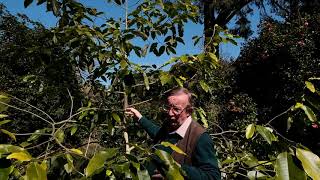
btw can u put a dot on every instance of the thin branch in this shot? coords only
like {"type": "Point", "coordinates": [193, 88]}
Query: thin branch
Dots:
{"type": "Point", "coordinates": [32, 107]}
{"type": "Point", "coordinates": [224, 132]}
{"type": "Point", "coordinates": [288, 140]}
{"type": "Point", "coordinates": [26, 112]}
{"type": "Point", "coordinates": [142, 102]}
{"type": "Point", "coordinates": [28, 134]}
{"type": "Point", "coordinates": [284, 112]}
{"type": "Point", "coordinates": [142, 84]}
{"type": "Point", "coordinates": [51, 139]}
{"type": "Point", "coordinates": [71, 108]}
{"type": "Point", "coordinates": [85, 154]}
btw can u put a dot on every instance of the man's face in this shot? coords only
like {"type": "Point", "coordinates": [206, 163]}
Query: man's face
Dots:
{"type": "Point", "coordinates": [176, 110]}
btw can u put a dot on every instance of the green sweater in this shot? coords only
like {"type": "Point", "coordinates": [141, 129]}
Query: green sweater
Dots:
{"type": "Point", "coordinates": [205, 164]}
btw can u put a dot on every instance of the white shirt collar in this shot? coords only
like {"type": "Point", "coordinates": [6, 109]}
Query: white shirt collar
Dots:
{"type": "Point", "coordinates": [183, 128]}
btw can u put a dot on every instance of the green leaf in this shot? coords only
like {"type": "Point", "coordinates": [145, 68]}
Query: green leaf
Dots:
{"type": "Point", "coordinates": [21, 156]}
{"type": "Point", "coordinates": [310, 163]}
{"type": "Point", "coordinates": [116, 117]}
{"type": "Point", "coordinates": [4, 122]}
{"type": "Point", "coordinates": [123, 64]}
{"type": "Point", "coordinates": [8, 148]}
{"type": "Point", "coordinates": [161, 50]}
{"type": "Point", "coordinates": [59, 135]}
{"type": "Point", "coordinates": [27, 3]}
{"type": "Point", "coordinates": [310, 114]}
{"type": "Point", "coordinates": [178, 81]}
{"type": "Point", "coordinates": [310, 86]}
{"type": "Point", "coordinates": [55, 7]}
{"type": "Point", "coordinates": [184, 58]}
{"type": "Point", "coordinates": [286, 169]}
{"type": "Point", "coordinates": [36, 134]}
{"type": "Point", "coordinates": [173, 172]}
{"type": "Point", "coordinates": [3, 96]}
{"type": "Point", "coordinates": [204, 86]}
{"type": "Point", "coordinates": [173, 147]}
{"type": "Point", "coordinates": [3, 116]}
{"type": "Point", "coordinates": [266, 134]}
{"type": "Point", "coordinates": [153, 46]}
{"type": "Point", "coordinates": [36, 171]}
{"type": "Point", "coordinates": [5, 172]}
{"type": "Point", "coordinates": [250, 131]}
{"type": "Point", "coordinates": [69, 165]}
{"type": "Point", "coordinates": [98, 160]}
{"type": "Point", "coordinates": [76, 151]}
{"type": "Point", "coordinates": [146, 81]}
{"type": "Point", "coordinates": [73, 130]}
{"type": "Point", "coordinates": [171, 60]}
{"type": "Point", "coordinates": [140, 34]}
{"type": "Point", "coordinates": [9, 134]}
{"type": "Point", "coordinates": [254, 175]}
{"type": "Point", "coordinates": [213, 57]}
{"type": "Point", "coordinates": [25, 144]}
{"type": "Point", "coordinates": [4, 99]}
{"type": "Point", "coordinates": [165, 77]}
{"type": "Point", "coordinates": [202, 117]}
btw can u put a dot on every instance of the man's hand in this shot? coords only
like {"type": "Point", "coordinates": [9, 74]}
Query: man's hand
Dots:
{"type": "Point", "coordinates": [133, 112]}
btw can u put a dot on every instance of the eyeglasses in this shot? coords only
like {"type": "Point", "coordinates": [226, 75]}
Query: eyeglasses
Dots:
{"type": "Point", "coordinates": [175, 110]}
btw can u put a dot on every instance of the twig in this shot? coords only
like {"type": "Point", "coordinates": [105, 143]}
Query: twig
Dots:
{"type": "Point", "coordinates": [51, 139]}
{"type": "Point", "coordinates": [28, 134]}
{"type": "Point", "coordinates": [292, 142]}
{"type": "Point", "coordinates": [71, 108]}
{"type": "Point", "coordinates": [216, 134]}
{"type": "Point", "coordinates": [284, 112]}
{"type": "Point", "coordinates": [26, 112]}
{"type": "Point", "coordinates": [32, 107]}
{"type": "Point", "coordinates": [89, 139]}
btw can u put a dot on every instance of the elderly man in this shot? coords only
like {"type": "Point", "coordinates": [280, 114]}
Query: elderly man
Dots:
{"type": "Point", "coordinates": [188, 135]}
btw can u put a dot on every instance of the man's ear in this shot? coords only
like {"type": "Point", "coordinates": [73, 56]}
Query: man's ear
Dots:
{"type": "Point", "coordinates": [189, 109]}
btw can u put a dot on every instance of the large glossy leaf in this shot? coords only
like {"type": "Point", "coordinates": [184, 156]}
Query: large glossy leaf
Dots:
{"type": "Point", "coordinates": [310, 163]}
{"type": "Point", "coordinates": [98, 160]}
{"type": "Point", "coordinates": [60, 136]}
{"type": "Point", "coordinates": [5, 172]}
{"type": "Point", "coordinates": [286, 169]}
{"type": "Point", "coordinates": [4, 122]}
{"type": "Point", "coordinates": [37, 134]}
{"type": "Point", "coordinates": [250, 131]}
{"type": "Point", "coordinates": [69, 165]}
{"type": "Point", "coordinates": [9, 134]}
{"type": "Point", "coordinates": [21, 156]}
{"type": "Point", "coordinates": [311, 116]}
{"type": "Point", "coordinates": [8, 148]}
{"type": "Point", "coordinates": [310, 86]}
{"type": "Point", "coordinates": [173, 147]}
{"type": "Point", "coordinates": [173, 172]}
{"type": "Point", "coordinates": [76, 151]}
{"type": "Point", "coordinates": [36, 171]}
{"type": "Point", "coordinates": [266, 134]}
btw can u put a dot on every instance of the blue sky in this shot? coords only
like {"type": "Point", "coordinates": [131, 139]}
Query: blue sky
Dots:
{"type": "Point", "coordinates": [38, 13]}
